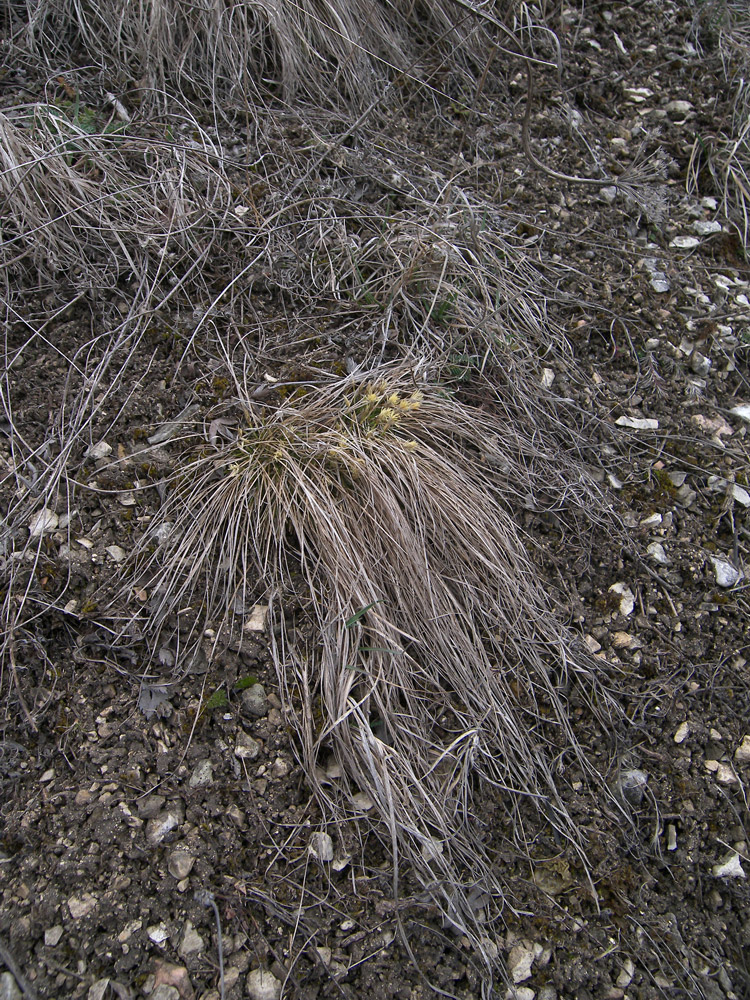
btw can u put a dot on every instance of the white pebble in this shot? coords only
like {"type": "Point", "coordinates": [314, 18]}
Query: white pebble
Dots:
{"type": "Point", "coordinates": [742, 753]}
{"type": "Point", "coordinates": [731, 868]}
{"type": "Point", "coordinates": [726, 574]}
{"type": "Point", "coordinates": [321, 847]}
{"type": "Point", "coordinates": [262, 985]}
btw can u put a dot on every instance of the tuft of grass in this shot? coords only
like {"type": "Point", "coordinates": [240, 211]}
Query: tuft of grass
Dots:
{"type": "Point", "coordinates": [100, 206]}
{"type": "Point", "coordinates": [723, 157]}
{"type": "Point", "coordinates": [431, 663]}
{"type": "Point", "coordinates": [224, 53]}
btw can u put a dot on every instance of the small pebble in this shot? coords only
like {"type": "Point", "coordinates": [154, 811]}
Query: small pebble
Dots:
{"type": "Point", "coordinates": [191, 943]}
{"type": "Point", "coordinates": [99, 450]}
{"type": "Point", "coordinates": [742, 753]}
{"type": "Point", "coordinates": [158, 828]}
{"type": "Point", "coordinates": [52, 936]}
{"type": "Point", "coordinates": [626, 973]}
{"type": "Point", "coordinates": [321, 847]}
{"type": "Point", "coordinates": [246, 747]}
{"type": "Point", "coordinates": [699, 363]}
{"type": "Point", "coordinates": [9, 987]}
{"type": "Point", "coordinates": [262, 985]}
{"type": "Point", "coordinates": [682, 732]}
{"type": "Point", "coordinates": [705, 227]}
{"type": "Point", "coordinates": [730, 868]}
{"type": "Point", "coordinates": [81, 906]}
{"type": "Point", "coordinates": [157, 933]}
{"type": "Point", "coordinates": [202, 774]}
{"type": "Point", "coordinates": [44, 521]}
{"type": "Point", "coordinates": [633, 785]}
{"type": "Point", "coordinates": [255, 702]}
{"type": "Point", "coordinates": [684, 242]}
{"type": "Point", "coordinates": [653, 521]}
{"type": "Point", "coordinates": [726, 574]}
{"type": "Point", "coordinates": [180, 863]}
{"type": "Point", "coordinates": [638, 423]}
{"type": "Point", "coordinates": [164, 992]}
{"type": "Point", "coordinates": [656, 552]}
{"type": "Point", "coordinates": [627, 598]}
{"type": "Point", "coordinates": [520, 960]}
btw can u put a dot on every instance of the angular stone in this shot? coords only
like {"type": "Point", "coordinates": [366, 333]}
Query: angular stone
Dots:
{"type": "Point", "coordinates": [52, 936]}
{"type": "Point", "coordinates": [321, 847]}
{"type": "Point", "coordinates": [202, 775]}
{"type": "Point", "coordinates": [246, 747]}
{"type": "Point", "coordinates": [255, 702]}
{"type": "Point", "coordinates": [9, 987]}
{"type": "Point", "coordinates": [180, 863]}
{"type": "Point", "coordinates": [81, 906]}
{"type": "Point", "coordinates": [262, 985]}
{"type": "Point", "coordinates": [191, 942]}
{"type": "Point", "coordinates": [158, 828]}
{"type": "Point", "coordinates": [742, 753]}
{"type": "Point", "coordinates": [520, 960]}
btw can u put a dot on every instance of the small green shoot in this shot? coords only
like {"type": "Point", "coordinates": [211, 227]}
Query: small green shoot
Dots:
{"type": "Point", "coordinates": [358, 615]}
{"type": "Point", "coordinates": [217, 700]}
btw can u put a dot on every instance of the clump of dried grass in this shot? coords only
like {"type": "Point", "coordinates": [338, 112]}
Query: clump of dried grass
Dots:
{"type": "Point", "coordinates": [428, 662]}
{"type": "Point", "coordinates": [102, 205]}
{"type": "Point", "coordinates": [219, 52]}
{"type": "Point", "coordinates": [725, 155]}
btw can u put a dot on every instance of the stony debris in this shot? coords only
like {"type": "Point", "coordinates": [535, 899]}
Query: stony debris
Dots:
{"type": "Point", "coordinates": [158, 933]}
{"type": "Point", "coordinates": [626, 596]}
{"type": "Point", "coordinates": [321, 846]}
{"type": "Point", "coordinates": [246, 747]}
{"type": "Point", "coordinates": [656, 552]}
{"type": "Point", "coordinates": [727, 575]}
{"type": "Point", "coordinates": [202, 775]}
{"type": "Point", "coordinates": [191, 943]}
{"type": "Point", "coordinates": [256, 621]}
{"type": "Point", "coordinates": [165, 823]}
{"type": "Point", "coordinates": [44, 521]}
{"type": "Point", "coordinates": [9, 989]}
{"type": "Point", "coordinates": [53, 935]}
{"type": "Point", "coordinates": [180, 863]}
{"type": "Point", "coordinates": [638, 423]}
{"type": "Point", "coordinates": [81, 906]}
{"type": "Point", "coordinates": [255, 702]}
{"type": "Point", "coordinates": [731, 867]}
{"type": "Point", "coordinates": [99, 450]}
{"type": "Point", "coordinates": [262, 985]}
{"type": "Point", "coordinates": [682, 732]}
{"type": "Point", "coordinates": [632, 785]}
{"type": "Point", "coordinates": [625, 976]}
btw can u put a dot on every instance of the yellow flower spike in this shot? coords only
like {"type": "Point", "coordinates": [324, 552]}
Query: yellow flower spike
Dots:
{"type": "Point", "coordinates": [405, 405]}
{"type": "Point", "coordinates": [417, 396]}
{"type": "Point", "coordinates": [371, 396]}
{"type": "Point", "coordinates": [387, 415]}
{"type": "Point", "coordinates": [394, 399]}
{"type": "Point", "coordinates": [410, 445]}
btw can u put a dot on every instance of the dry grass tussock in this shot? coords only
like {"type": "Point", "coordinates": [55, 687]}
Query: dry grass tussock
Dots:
{"type": "Point", "coordinates": [100, 202]}
{"type": "Point", "coordinates": [324, 51]}
{"type": "Point", "coordinates": [426, 661]}
{"type": "Point", "coordinates": [723, 26]}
